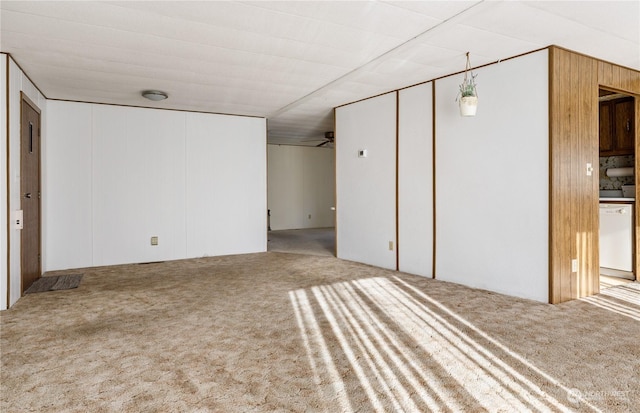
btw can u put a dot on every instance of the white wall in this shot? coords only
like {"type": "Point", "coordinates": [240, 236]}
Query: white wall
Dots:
{"type": "Point", "coordinates": [366, 187]}
{"type": "Point", "coordinates": [18, 82]}
{"type": "Point", "coordinates": [226, 191]}
{"type": "Point", "coordinates": [415, 180]}
{"type": "Point", "coordinates": [301, 187]}
{"type": "Point", "coordinates": [492, 174]}
{"type": "Point", "coordinates": [3, 180]}
{"type": "Point", "coordinates": [67, 187]}
{"type": "Point", "coordinates": [138, 184]}
{"type": "Point", "coordinates": [118, 176]}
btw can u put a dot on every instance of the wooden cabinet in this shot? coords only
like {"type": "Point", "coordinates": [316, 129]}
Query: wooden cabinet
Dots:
{"type": "Point", "coordinates": [624, 125]}
{"type": "Point", "coordinates": [606, 126]}
{"type": "Point", "coordinates": [617, 127]}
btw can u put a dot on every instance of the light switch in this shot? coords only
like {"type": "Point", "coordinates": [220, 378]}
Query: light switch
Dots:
{"type": "Point", "coordinates": [19, 218]}
{"type": "Point", "coordinates": [362, 153]}
{"type": "Point", "coordinates": [154, 240]}
{"type": "Point", "coordinates": [589, 169]}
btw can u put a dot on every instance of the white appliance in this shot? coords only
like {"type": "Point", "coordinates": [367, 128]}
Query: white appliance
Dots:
{"type": "Point", "coordinates": [616, 240]}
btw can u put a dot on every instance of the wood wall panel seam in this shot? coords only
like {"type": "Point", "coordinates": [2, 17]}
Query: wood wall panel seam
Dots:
{"type": "Point", "coordinates": [550, 86]}
{"type": "Point", "coordinates": [335, 184]}
{"type": "Point", "coordinates": [433, 175]}
{"type": "Point", "coordinates": [8, 235]}
{"type": "Point", "coordinates": [397, 181]}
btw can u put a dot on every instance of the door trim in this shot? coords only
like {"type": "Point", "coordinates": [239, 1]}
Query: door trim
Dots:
{"type": "Point", "coordinates": [24, 97]}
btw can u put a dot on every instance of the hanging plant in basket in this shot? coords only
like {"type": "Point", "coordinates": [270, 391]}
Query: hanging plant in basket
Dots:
{"type": "Point", "coordinates": [468, 95]}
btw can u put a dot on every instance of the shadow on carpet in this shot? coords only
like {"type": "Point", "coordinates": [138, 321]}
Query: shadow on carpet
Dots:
{"type": "Point", "coordinates": [54, 283]}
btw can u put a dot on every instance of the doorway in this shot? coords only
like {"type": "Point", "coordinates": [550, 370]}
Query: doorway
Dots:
{"type": "Point", "coordinates": [617, 143]}
{"type": "Point", "coordinates": [30, 238]}
{"type": "Point", "coordinates": [301, 199]}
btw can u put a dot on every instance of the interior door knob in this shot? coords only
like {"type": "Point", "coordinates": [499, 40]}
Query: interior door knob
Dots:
{"type": "Point", "coordinates": [27, 195]}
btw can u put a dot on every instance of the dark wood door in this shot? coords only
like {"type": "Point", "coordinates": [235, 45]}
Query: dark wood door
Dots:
{"type": "Point", "coordinates": [30, 192]}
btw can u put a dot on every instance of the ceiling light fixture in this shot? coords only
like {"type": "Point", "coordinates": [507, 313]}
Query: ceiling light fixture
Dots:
{"type": "Point", "coordinates": [154, 95]}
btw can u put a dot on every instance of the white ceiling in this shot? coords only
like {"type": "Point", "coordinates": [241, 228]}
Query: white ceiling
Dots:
{"type": "Point", "coordinates": [290, 61]}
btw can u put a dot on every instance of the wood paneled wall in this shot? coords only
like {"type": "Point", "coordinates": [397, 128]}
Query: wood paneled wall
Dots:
{"type": "Point", "coordinates": [574, 80]}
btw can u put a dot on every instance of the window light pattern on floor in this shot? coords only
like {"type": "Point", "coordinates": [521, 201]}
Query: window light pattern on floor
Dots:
{"type": "Point", "coordinates": [411, 353]}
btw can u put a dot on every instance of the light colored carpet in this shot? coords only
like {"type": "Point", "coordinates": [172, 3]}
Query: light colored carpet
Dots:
{"type": "Point", "coordinates": [277, 332]}
{"type": "Point", "coordinates": [312, 241]}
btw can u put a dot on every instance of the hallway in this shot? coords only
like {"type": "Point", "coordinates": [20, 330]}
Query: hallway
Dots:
{"type": "Point", "coordinates": [313, 241]}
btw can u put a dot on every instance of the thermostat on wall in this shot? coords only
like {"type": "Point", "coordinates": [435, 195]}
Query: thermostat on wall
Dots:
{"type": "Point", "coordinates": [362, 153]}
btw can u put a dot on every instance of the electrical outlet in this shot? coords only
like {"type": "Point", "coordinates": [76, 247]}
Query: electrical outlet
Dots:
{"type": "Point", "coordinates": [390, 245]}
{"type": "Point", "coordinates": [574, 265]}
{"type": "Point", "coordinates": [154, 240]}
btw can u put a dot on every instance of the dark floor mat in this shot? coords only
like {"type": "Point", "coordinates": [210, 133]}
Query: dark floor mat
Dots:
{"type": "Point", "coordinates": [55, 283]}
